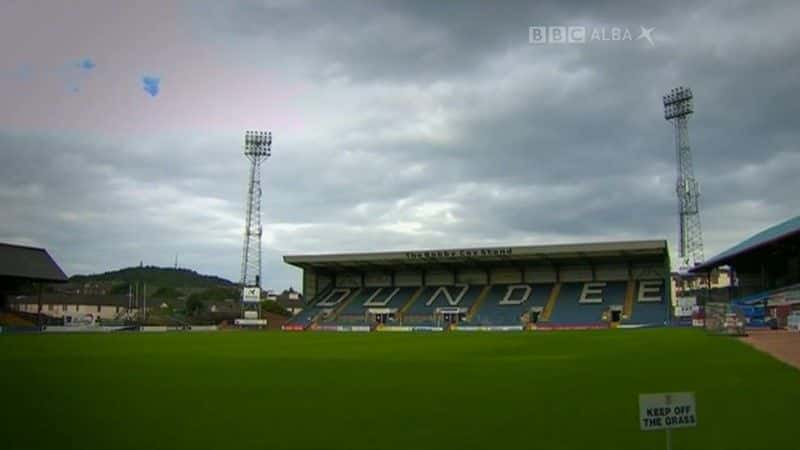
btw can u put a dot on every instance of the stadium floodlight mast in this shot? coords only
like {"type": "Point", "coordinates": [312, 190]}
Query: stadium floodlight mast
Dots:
{"type": "Point", "coordinates": [257, 148]}
{"type": "Point", "coordinates": [677, 108]}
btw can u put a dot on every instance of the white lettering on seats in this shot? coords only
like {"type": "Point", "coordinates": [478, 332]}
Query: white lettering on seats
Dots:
{"type": "Point", "coordinates": [650, 291]}
{"type": "Point", "coordinates": [372, 297]}
{"type": "Point", "coordinates": [334, 298]}
{"type": "Point", "coordinates": [507, 300]}
{"type": "Point", "coordinates": [372, 302]}
{"type": "Point", "coordinates": [442, 290]}
{"type": "Point", "coordinates": [592, 293]}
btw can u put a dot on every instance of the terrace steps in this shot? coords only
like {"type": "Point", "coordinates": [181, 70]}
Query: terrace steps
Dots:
{"type": "Point", "coordinates": [343, 305]}
{"type": "Point", "coordinates": [477, 305]}
{"type": "Point", "coordinates": [627, 309]}
{"type": "Point", "coordinates": [411, 301]}
{"type": "Point", "coordinates": [551, 303]}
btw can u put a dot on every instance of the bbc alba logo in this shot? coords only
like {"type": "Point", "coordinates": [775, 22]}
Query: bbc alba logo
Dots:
{"type": "Point", "coordinates": [541, 35]}
{"type": "Point", "coordinates": [557, 35]}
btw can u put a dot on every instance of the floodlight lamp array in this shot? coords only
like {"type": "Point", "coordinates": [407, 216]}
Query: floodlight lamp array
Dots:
{"type": "Point", "coordinates": [258, 143]}
{"type": "Point", "coordinates": [678, 103]}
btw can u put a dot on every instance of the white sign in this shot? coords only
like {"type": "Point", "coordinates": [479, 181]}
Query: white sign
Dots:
{"type": "Point", "coordinates": [669, 410]}
{"type": "Point", "coordinates": [251, 294]}
{"type": "Point", "coordinates": [685, 306]}
{"type": "Point", "coordinates": [250, 322]}
{"type": "Point", "coordinates": [793, 322]}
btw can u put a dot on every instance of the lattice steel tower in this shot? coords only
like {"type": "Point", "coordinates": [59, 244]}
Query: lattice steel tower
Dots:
{"type": "Point", "coordinates": [257, 148]}
{"type": "Point", "coordinates": [677, 107]}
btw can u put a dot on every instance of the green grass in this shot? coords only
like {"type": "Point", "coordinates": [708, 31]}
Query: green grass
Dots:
{"type": "Point", "coordinates": [556, 390]}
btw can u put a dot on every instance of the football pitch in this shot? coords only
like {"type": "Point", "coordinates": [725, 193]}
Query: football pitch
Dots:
{"type": "Point", "coordinates": [242, 390]}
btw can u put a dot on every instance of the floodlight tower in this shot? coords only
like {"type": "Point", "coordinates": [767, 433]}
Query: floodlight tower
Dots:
{"type": "Point", "coordinates": [257, 148]}
{"type": "Point", "coordinates": [677, 108]}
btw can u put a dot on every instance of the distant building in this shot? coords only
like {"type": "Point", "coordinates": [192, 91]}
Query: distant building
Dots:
{"type": "Point", "coordinates": [291, 300]}
{"type": "Point", "coordinates": [76, 308]}
{"type": "Point", "coordinates": [270, 296]}
{"type": "Point", "coordinates": [718, 278]}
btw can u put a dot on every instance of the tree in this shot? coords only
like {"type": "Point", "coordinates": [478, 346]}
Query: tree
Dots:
{"type": "Point", "coordinates": [165, 293]}
{"type": "Point", "coordinates": [275, 308]}
{"type": "Point", "coordinates": [194, 306]}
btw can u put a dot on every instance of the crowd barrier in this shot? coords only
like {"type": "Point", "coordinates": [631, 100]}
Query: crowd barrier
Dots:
{"type": "Point", "coordinates": [203, 328]}
{"type": "Point", "coordinates": [426, 328]}
{"type": "Point", "coordinates": [80, 329]}
{"type": "Point", "coordinates": [489, 328]}
{"type": "Point", "coordinates": [345, 328]}
{"type": "Point", "coordinates": [153, 329]}
{"type": "Point", "coordinates": [396, 329]}
{"type": "Point", "coordinates": [557, 326]}
{"type": "Point", "coordinates": [15, 330]}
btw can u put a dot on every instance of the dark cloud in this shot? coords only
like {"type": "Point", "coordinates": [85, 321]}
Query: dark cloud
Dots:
{"type": "Point", "coordinates": [430, 124]}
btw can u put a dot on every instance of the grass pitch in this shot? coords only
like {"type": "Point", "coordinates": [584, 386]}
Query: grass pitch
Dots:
{"type": "Point", "coordinates": [241, 390]}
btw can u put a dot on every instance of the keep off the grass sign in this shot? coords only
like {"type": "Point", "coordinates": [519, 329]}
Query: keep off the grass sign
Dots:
{"type": "Point", "coordinates": [665, 411]}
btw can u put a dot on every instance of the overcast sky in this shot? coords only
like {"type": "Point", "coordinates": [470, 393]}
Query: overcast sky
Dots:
{"type": "Point", "coordinates": [397, 125]}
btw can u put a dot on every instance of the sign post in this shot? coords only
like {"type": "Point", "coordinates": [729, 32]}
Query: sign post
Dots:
{"type": "Point", "coordinates": [251, 294]}
{"type": "Point", "coordinates": [667, 411]}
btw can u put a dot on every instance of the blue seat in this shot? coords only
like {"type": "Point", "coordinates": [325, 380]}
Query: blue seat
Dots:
{"type": "Point", "coordinates": [357, 307]}
{"type": "Point", "coordinates": [492, 312]}
{"type": "Point", "coordinates": [649, 313]}
{"type": "Point", "coordinates": [569, 311]}
{"type": "Point", "coordinates": [306, 316]}
{"type": "Point", "coordinates": [422, 308]}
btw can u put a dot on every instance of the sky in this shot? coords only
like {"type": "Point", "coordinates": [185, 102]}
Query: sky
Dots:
{"type": "Point", "coordinates": [396, 125]}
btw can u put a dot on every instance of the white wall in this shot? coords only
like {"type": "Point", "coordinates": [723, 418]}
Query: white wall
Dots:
{"type": "Point", "coordinates": [506, 275]}
{"type": "Point", "coordinates": [377, 279]}
{"type": "Point", "coordinates": [408, 278]}
{"type": "Point", "coordinates": [348, 280]}
{"type": "Point", "coordinates": [106, 311]}
{"type": "Point", "coordinates": [472, 277]}
{"type": "Point", "coordinates": [540, 275]}
{"type": "Point", "coordinates": [576, 273]}
{"type": "Point", "coordinates": [439, 278]}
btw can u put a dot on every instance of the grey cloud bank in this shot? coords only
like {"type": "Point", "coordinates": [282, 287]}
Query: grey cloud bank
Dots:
{"type": "Point", "coordinates": [400, 126]}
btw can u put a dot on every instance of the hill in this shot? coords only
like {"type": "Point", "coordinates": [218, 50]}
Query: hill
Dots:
{"type": "Point", "coordinates": [155, 276]}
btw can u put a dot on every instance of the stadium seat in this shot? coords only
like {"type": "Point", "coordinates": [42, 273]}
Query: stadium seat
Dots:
{"type": "Point", "coordinates": [356, 311]}
{"type": "Point", "coordinates": [432, 297]}
{"type": "Point", "coordinates": [328, 298]}
{"type": "Point", "coordinates": [569, 310]}
{"type": "Point", "coordinates": [386, 297]}
{"type": "Point", "coordinates": [422, 311]}
{"type": "Point", "coordinates": [649, 304]}
{"type": "Point", "coordinates": [506, 303]}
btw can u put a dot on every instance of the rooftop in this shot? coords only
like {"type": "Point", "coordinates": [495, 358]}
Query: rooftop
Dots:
{"type": "Point", "coordinates": [771, 235]}
{"type": "Point", "coordinates": [487, 256]}
{"type": "Point", "coordinates": [29, 263]}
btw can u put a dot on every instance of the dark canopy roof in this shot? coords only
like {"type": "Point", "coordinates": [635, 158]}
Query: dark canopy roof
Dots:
{"type": "Point", "coordinates": [28, 263]}
{"type": "Point", "coordinates": [654, 250]}
{"type": "Point", "coordinates": [769, 236]}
